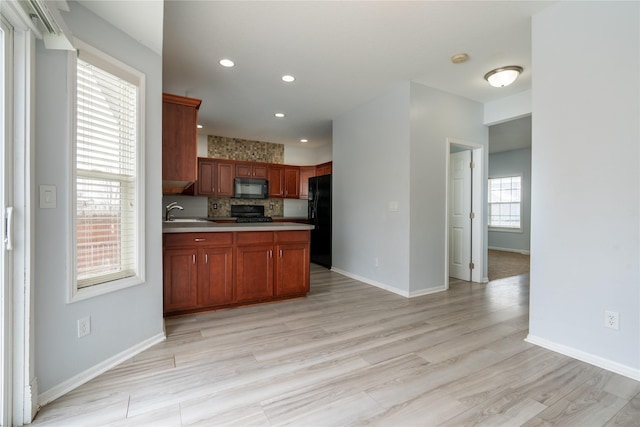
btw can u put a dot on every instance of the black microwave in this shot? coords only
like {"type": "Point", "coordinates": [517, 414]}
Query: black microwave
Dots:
{"type": "Point", "coordinates": [250, 188]}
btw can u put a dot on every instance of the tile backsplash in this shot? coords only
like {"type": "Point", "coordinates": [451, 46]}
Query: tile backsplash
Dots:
{"type": "Point", "coordinates": [222, 147]}
{"type": "Point", "coordinates": [272, 207]}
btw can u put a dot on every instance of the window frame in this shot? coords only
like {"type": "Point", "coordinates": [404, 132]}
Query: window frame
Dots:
{"type": "Point", "coordinates": [108, 63]}
{"type": "Point", "coordinates": [503, 228]}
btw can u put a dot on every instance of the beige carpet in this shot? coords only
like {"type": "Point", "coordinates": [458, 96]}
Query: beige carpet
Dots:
{"type": "Point", "coordinates": [507, 264]}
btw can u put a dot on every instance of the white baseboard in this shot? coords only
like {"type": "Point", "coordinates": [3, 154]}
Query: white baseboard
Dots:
{"type": "Point", "coordinates": [516, 251]}
{"type": "Point", "coordinates": [592, 359]}
{"type": "Point", "coordinates": [390, 288]}
{"type": "Point", "coordinates": [89, 374]}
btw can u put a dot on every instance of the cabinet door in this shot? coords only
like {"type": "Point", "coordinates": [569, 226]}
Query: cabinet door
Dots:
{"type": "Point", "coordinates": [324, 169]}
{"type": "Point", "coordinates": [180, 279]}
{"type": "Point", "coordinates": [243, 170]}
{"type": "Point", "coordinates": [206, 177]}
{"type": "Point", "coordinates": [291, 183]}
{"type": "Point", "coordinates": [225, 173]}
{"type": "Point", "coordinates": [292, 269]}
{"type": "Point", "coordinates": [260, 171]}
{"type": "Point", "coordinates": [179, 138]}
{"type": "Point", "coordinates": [305, 174]}
{"type": "Point", "coordinates": [215, 276]}
{"type": "Point", "coordinates": [276, 182]}
{"type": "Point", "coordinates": [254, 272]}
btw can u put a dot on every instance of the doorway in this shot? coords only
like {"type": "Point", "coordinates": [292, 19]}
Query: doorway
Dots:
{"type": "Point", "coordinates": [465, 250]}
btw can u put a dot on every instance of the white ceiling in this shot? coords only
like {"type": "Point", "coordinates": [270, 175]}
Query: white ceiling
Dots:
{"type": "Point", "coordinates": [342, 54]}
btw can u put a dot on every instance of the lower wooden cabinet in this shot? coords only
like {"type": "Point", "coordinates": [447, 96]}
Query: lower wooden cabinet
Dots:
{"type": "Point", "coordinates": [180, 278]}
{"type": "Point", "coordinates": [215, 276]}
{"type": "Point", "coordinates": [211, 270]}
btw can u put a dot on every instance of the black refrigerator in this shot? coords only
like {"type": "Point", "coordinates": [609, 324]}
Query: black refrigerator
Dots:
{"type": "Point", "coordinates": [320, 217]}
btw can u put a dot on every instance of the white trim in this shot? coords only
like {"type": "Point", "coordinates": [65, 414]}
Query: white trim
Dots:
{"type": "Point", "coordinates": [592, 359]}
{"type": "Point", "coordinates": [138, 78]}
{"type": "Point", "coordinates": [389, 288]}
{"type": "Point", "coordinates": [515, 251]}
{"type": "Point", "coordinates": [102, 367]}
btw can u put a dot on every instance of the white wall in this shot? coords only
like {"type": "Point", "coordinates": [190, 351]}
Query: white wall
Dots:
{"type": "Point", "coordinates": [119, 320]}
{"type": "Point", "coordinates": [394, 149]}
{"type": "Point", "coordinates": [436, 116]}
{"type": "Point", "coordinates": [371, 168]}
{"type": "Point", "coordinates": [586, 182]}
{"type": "Point", "coordinates": [511, 163]}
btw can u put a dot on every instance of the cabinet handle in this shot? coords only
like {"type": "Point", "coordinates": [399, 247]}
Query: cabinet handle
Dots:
{"type": "Point", "coordinates": [194, 258]}
{"type": "Point", "coordinates": [270, 253]}
{"type": "Point", "coordinates": [280, 253]}
{"type": "Point", "coordinates": [199, 239]}
{"type": "Point", "coordinates": [206, 258]}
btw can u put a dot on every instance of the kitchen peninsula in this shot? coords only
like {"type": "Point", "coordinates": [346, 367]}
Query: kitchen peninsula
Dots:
{"type": "Point", "coordinates": [209, 265]}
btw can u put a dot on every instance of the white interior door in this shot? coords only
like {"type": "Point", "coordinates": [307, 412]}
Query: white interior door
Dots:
{"type": "Point", "coordinates": [459, 215]}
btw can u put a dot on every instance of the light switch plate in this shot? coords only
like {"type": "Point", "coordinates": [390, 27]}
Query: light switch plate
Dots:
{"type": "Point", "coordinates": [48, 197]}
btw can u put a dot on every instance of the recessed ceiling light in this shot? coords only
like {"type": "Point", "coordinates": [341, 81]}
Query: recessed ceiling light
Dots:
{"type": "Point", "coordinates": [288, 78]}
{"type": "Point", "coordinates": [226, 63]}
{"type": "Point", "coordinates": [304, 140]}
{"type": "Point", "coordinates": [279, 115]}
{"type": "Point", "coordinates": [199, 126]}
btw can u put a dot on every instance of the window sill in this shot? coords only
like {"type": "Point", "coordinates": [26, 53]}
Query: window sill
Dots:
{"type": "Point", "coordinates": [506, 230]}
{"type": "Point", "coordinates": [76, 295]}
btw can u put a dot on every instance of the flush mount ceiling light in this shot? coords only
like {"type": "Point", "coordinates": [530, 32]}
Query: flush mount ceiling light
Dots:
{"type": "Point", "coordinates": [288, 78]}
{"type": "Point", "coordinates": [304, 140]}
{"type": "Point", "coordinates": [279, 115]}
{"type": "Point", "coordinates": [503, 76]}
{"type": "Point", "coordinates": [226, 63]}
{"type": "Point", "coordinates": [199, 126]}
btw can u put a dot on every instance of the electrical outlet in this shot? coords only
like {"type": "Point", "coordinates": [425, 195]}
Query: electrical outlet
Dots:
{"type": "Point", "coordinates": [84, 326]}
{"type": "Point", "coordinates": [611, 319]}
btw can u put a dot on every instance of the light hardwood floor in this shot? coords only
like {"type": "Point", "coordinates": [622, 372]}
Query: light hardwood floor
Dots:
{"type": "Point", "coordinates": [349, 355]}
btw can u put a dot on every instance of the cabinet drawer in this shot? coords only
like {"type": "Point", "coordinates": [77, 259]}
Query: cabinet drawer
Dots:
{"type": "Point", "coordinates": [254, 237]}
{"type": "Point", "coordinates": [292, 236]}
{"type": "Point", "coordinates": [198, 239]}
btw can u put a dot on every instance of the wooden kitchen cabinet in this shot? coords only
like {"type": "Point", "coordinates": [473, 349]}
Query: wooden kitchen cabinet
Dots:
{"type": "Point", "coordinates": [254, 265]}
{"type": "Point", "coordinates": [306, 172]}
{"type": "Point", "coordinates": [324, 169]}
{"type": "Point", "coordinates": [251, 170]}
{"type": "Point", "coordinates": [292, 263]}
{"type": "Point", "coordinates": [180, 279]}
{"type": "Point", "coordinates": [206, 177]}
{"type": "Point", "coordinates": [291, 182]}
{"type": "Point", "coordinates": [197, 271]}
{"type": "Point", "coordinates": [179, 140]}
{"type": "Point", "coordinates": [276, 181]}
{"type": "Point", "coordinates": [215, 177]}
{"type": "Point", "coordinates": [284, 182]}
{"type": "Point", "coordinates": [215, 276]}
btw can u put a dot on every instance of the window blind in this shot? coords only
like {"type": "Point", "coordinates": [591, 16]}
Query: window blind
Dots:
{"type": "Point", "coordinates": [106, 119]}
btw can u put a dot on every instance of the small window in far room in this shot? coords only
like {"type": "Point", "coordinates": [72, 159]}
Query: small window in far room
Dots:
{"type": "Point", "coordinates": [505, 196]}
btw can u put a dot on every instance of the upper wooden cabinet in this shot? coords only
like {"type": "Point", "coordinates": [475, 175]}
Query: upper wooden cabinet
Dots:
{"type": "Point", "coordinates": [324, 169]}
{"type": "Point", "coordinates": [251, 170]}
{"type": "Point", "coordinates": [179, 140]}
{"type": "Point", "coordinates": [215, 177]}
{"type": "Point", "coordinates": [291, 182]}
{"type": "Point", "coordinates": [306, 172]}
{"type": "Point", "coordinates": [276, 181]}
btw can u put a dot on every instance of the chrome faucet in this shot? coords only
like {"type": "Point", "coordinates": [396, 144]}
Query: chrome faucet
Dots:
{"type": "Point", "coordinates": [171, 206]}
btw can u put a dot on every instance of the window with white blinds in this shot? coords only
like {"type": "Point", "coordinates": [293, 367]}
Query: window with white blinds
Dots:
{"type": "Point", "coordinates": [107, 191]}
